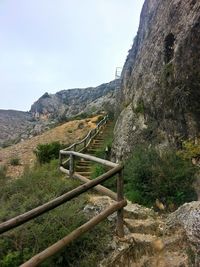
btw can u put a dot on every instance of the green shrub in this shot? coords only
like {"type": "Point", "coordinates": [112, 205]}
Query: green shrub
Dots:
{"type": "Point", "coordinates": [98, 170]}
{"type": "Point", "coordinates": [46, 152]}
{"type": "Point", "coordinates": [34, 188]}
{"type": "Point", "coordinates": [80, 116]}
{"type": "Point", "coordinates": [15, 161]}
{"type": "Point", "coordinates": [150, 176]}
{"type": "Point", "coordinates": [190, 149]}
{"type": "Point", "coordinates": [140, 107]}
{"type": "Point", "coordinates": [3, 171]}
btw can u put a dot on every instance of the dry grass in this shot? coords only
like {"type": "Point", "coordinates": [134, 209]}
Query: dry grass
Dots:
{"type": "Point", "coordinates": [67, 133]}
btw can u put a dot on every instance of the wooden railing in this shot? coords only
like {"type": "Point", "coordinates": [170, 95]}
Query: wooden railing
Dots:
{"type": "Point", "coordinates": [116, 169]}
{"type": "Point", "coordinates": [119, 203]}
{"type": "Point", "coordinates": [84, 143]}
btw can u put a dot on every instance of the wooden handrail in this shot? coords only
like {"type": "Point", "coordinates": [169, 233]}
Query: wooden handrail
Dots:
{"type": "Point", "coordinates": [117, 206]}
{"type": "Point", "coordinates": [50, 251]}
{"type": "Point", "coordinates": [89, 157]}
{"type": "Point", "coordinates": [90, 136]}
{"type": "Point", "coordinates": [99, 188]}
{"type": "Point", "coordinates": [102, 122]}
{"type": "Point", "coordinates": [29, 215]}
{"type": "Point", "coordinates": [72, 174]}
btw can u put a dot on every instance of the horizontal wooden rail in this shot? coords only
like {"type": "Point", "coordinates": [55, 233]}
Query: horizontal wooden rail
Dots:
{"type": "Point", "coordinates": [21, 219]}
{"type": "Point", "coordinates": [89, 157]}
{"type": "Point", "coordinates": [84, 142]}
{"type": "Point", "coordinates": [90, 135]}
{"type": "Point", "coordinates": [99, 188]}
{"type": "Point", "coordinates": [50, 251]}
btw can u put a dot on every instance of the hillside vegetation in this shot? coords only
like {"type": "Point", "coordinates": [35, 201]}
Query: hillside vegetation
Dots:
{"type": "Point", "coordinates": [66, 134]}
{"type": "Point", "coordinates": [34, 188]}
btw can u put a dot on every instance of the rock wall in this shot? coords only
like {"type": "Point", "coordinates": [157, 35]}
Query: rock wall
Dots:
{"type": "Point", "coordinates": [160, 89]}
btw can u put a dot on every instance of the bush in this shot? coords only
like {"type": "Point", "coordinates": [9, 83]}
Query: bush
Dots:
{"type": "Point", "coordinates": [46, 152]}
{"type": "Point", "coordinates": [98, 170]}
{"type": "Point", "coordinates": [34, 188]}
{"type": "Point", "coordinates": [15, 161]}
{"type": "Point", "coordinates": [190, 149]}
{"type": "Point", "coordinates": [150, 176]}
{"type": "Point", "coordinates": [140, 107]}
{"type": "Point", "coordinates": [3, 171]}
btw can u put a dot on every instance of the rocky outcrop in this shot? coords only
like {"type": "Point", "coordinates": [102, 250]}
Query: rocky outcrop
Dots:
{"type": "Point", "coordinates": [51, 109]}
{"type": "Point", "coordinates": [151, 239]}
{"type": "Point", "coordinates": [188, 218]}
{"type": "Point", "coordinates": [14, 125]}
{"type": "Point", "coordinates": [72, 102]}
{"type": "Point", "coordinates": [17, 126]}
{"type": "Point", "coordinates": [160, 91]}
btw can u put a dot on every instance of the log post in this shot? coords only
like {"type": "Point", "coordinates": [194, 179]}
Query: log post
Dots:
{"type": "Point", "coordinates": [120, 197]}
{"type": "Point", "coordinates": [85, 143]}
{"type": "Point", "coordinates": [60, 159]}
{"type": "Point", "coordinates": [71, 166]}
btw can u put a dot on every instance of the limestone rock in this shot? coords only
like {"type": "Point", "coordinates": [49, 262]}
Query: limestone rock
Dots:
{"type": "Point", "coordinates": [72, 102]}
{"type": "Point", "coordinates": [161, 78]}
{"type": "Point", "coordinates": [188, 217]}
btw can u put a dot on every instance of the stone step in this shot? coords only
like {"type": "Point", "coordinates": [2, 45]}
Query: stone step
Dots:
{"type": "Point", "coordinates": [147, 226]}
{"type": "Point", "coordinates": [96, 141]}
{"type": "Point", "coordinates": [135, 211]}
{"type": "Point", "coordinates": [166, 259]}
{"type": "Point", "coordinates": [83, 168]}
{"type": "Point", "coordinates": [94, 146]}
{"type": "Point", "coordinates": [100, 139]}
{"type": "Point", "coordinates": [83, 163]}
{"type": "Point", "coordinates": [84, 173]}
{"type": "Point", "coordinates": [142, 238]}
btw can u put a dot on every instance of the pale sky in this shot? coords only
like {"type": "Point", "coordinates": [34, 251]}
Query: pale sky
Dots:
{"type": "Point", "coordinates": [48, 45]}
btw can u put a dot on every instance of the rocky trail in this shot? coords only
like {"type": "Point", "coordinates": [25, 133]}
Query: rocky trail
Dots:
{"type": "Point", "coordinates": [151, 239]}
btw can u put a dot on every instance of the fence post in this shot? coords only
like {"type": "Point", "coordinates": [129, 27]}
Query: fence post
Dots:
{"type": "Point", "coordinates": [71, 166]}
{"type": "Point", "coordinates": [120, 197]}
{"type": "Point", "coordinates": [85, 143]}
{"type": "Point", "coordinates": [60, 159]}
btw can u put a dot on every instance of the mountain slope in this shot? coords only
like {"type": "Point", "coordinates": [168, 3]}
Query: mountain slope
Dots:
{"type": "Point", "coordinates": [51, 109]}
{"type": "Point", "coordinates": [67, 103]}
{"type": "Point", "coordinates": [66, 133]}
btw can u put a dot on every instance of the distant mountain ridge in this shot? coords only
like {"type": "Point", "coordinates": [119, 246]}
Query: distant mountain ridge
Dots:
{"type": "Point", "coordinates": [51, 109]}
{"type": "Point", "coordinates": [68, 103]}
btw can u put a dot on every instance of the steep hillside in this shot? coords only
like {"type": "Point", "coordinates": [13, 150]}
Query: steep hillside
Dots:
{"type": "Point", "coordinates": [67, 103]}
{"type": "Point", "coordinates": [160, 89]}
{"type": "Point", "coordinates": [66, 133]}
{"type": "Point", "coordinates": [14, 125]}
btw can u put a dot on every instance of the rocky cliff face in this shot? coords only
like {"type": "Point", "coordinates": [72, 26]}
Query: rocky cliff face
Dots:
{"type": "Point", "coordinates": [160, 86]}
{"type": "Point", "coordinates": [68, 103]}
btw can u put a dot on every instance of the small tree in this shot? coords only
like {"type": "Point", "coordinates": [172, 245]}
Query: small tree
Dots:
{"type": "Point", "coordinates": [46, 152]}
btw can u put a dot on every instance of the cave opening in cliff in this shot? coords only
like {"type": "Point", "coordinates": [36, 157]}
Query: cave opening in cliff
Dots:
{"type": "Point", "coordinates": [169, 48]}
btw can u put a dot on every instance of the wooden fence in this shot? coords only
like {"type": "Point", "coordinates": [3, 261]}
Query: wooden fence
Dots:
{"type": "Point", "coordinates": [84, 143]}
{"type": "Point", "coordinates": [116, 169]}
